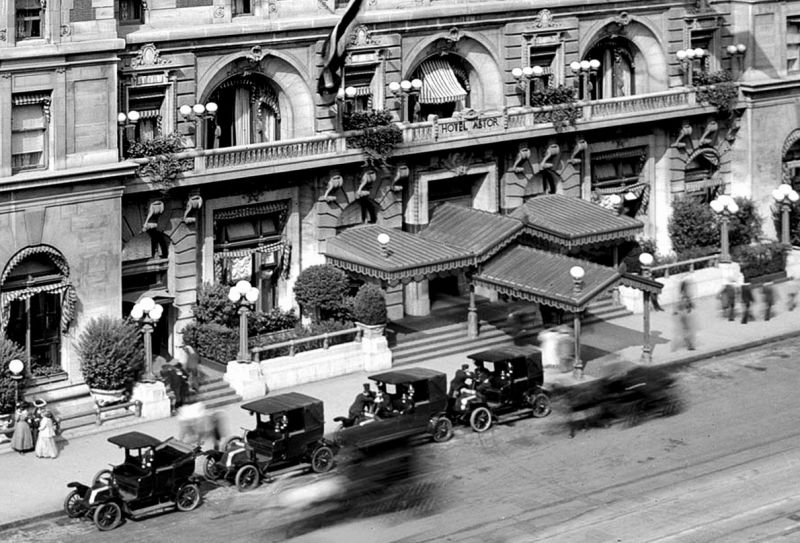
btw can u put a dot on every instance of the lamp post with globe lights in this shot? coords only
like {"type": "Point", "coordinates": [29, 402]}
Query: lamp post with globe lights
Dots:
{"type": "Point", "coordinates": [147, 312]}
{"type": "Point", "coordinates": [402, 91]}
{"type": "Point", "coordinates": [197, 113]}
{"type": "Point", "coordinates": [577, 273]}
{"type": "Point", "coordinates": [585, 70]}
{"type": "Point", "coordinates": [16, 368]}
{"type": "Point", "coordinates": [646, 261]}
{"type": "Point", "coordinates": [127, 129]}
{"type": "Point", "coordinates": [524, 76]}
{"type": "Point", "coordinates": [686, 58]}
{"type": "Point", "coordinates": [737, 51]}
{"type": "Point", "coordinates": [785, 196]}
{"type": "Point", "coordinates": [724, 206]}
{"type": "Point", "coordinates": [245, 295]}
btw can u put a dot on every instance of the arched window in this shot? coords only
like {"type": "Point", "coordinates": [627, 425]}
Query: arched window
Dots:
{"type": "Point", "coordinates": [616, 75]}
{"type": "Point", "coordinates": [445, 88]}
{"type": "Point", "coordinates": [362, 211]}
{"type": "Point", "coordinates": [248, 112]}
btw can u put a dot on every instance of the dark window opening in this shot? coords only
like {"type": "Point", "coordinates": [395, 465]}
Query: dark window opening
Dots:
{"type": "Point", "coordinates": [241, 7]}
{"type": "Point", "coordinates": [29, 16]}
{"type": "Point", "coordinates": [130, 11]}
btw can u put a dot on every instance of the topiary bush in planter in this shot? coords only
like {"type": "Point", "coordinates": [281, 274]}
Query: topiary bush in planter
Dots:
{"type": "Point", "coordinates": [692, 224]}
{"type": "Point", "coordinates": [759, 260]}
{"type": "Point", "coordinates": [8, 352]}
{"type": "Point", "coordinates": [212, 340]}
{"type": "Point", "coordinates": [111, 351]}
{"type": "Point", "coordinates": [320, 290]}
{"type": "Point", "coordinates": [369, 305]}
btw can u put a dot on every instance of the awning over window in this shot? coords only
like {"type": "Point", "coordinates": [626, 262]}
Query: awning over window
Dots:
{"type": "Point", "coordinates": [439, 83]}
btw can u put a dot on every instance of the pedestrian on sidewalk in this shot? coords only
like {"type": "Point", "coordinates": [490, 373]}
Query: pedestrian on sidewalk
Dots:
{"type": "Point", "coordinates": [683, 318]}
{"type": "Point", "coordinates": [46, 446]}
{"type": "Point", "coordinates": [192, 366]}
{"type": "Point", "coordinates": [768, 295]}
{"type": "Point", "coordinates": [747, 300]}
{"type": "Point", "coordinates": [22, 438]}
{"type": "Point", "coordinates": [728, 299]}
{"type": "Point", "coordinates": [791, 294]}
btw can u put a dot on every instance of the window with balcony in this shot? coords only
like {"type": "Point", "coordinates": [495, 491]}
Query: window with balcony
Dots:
{"type": "Point", "coordinates": [248, 112]}
{"type": "Point", "coordinates": [706, 40]}
{"type": "Point", "coordinates": [29, 15]}
{"type": "Point", "coordinates": [445, 88]}
{"type": "Point", "coordinates": [616, 74]}
{"type": "Point", "coordinates": [29, 120]}
{"type": "Point", "coordinates": [793, 44]}
{"type": "Point", "coordinates": [149, 103]}
{"type": "Point", "coordinates": [131, 12]}
{"type": "Point", "coordinates": [241, 7]}
{"type": "Point", "coordinates": [360, 82]}
{"type": "Point", "coordinates": [547, 59]}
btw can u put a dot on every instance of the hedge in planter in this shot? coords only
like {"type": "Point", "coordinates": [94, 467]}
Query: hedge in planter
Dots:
{"type": "Point", "coordinates": [111, 351]}
{"type": "Point", "coordinates": [369, 306]}
{"type": "Point", "coordinates": [760, 260]}
{"type": "Point", "coordinates": [213, 341]}
{"type": "Point", "coordinates": [8, 352]}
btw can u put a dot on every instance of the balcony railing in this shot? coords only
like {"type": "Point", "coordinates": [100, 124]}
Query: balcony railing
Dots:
{"type": "Point", "coordinates": [508, 121]}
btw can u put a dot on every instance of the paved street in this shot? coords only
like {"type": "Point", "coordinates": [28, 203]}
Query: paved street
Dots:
{"type": "Point", "coordinates": [723, 470]}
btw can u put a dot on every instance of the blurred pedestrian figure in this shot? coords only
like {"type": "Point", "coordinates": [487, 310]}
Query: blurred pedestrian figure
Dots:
{"type": "Point", "coordinates": [192, 366]}
{"type": "Point", "coordinates": [565, 348]}
{"type": "Point", "coordinates": [22, 438]}
{"type": "Point", "coordinates": [728, 301]}
{"type": "Point", "coordinates": [791, 294]}
{"type": "Point", "coordinates": [46, 446]}
{"type": "Point", "coordinates": [768, 296]}
{"type": "Point", "coordinates": [654, 302]}
{"type": "Point", "coordinates": [747, 300]}
{"type": "Point", "coordinates": [158, 366]}
{"type": "Point", "coordinates": [684, 330]}
{"type": "Point", "coordinates": [686, 295]}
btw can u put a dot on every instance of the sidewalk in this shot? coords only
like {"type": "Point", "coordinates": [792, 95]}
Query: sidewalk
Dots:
{"type": "Point", "coordinates": [35, 487]}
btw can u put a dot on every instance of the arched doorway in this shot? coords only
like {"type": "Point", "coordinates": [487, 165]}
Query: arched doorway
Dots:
{"type": "Point", "coordinates": [248, 112]}
{"type": "Point", "coordinates": [791, 164]}
{"type": "Point", "coordinates": [616, 75]}
{"type": "Point", "coordinates": [445, 88]}
{"type": "Point", "coordinates": [38, 302]}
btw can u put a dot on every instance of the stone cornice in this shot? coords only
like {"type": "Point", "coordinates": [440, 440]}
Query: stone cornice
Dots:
{"type": "Point", "coordinates": [42, 179]}
{"type": "Point", "coordinates": [55, 50]}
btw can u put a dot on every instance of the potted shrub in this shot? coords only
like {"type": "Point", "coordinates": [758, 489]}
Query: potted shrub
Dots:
{"type": "Point", "coordinates": [369, 310]}
{"type": "Point", "coordinates": [320, 290]}
{"type": "Point", "coordinates": [112, 357]}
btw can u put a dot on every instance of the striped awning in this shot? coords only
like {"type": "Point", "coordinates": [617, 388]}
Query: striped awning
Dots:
{"type": "Point", "coordinates": [30, 98]}
{"type": "Point", "coordinates": [363, 91]}
{"type": "Point", "coordinates": [439, 83]}
{"type": "Point", "coordinates": [251, 210]}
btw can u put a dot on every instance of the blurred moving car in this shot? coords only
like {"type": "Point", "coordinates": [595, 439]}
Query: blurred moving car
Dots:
{"type": "Point", "coordinates": [506, 381]}
{"type": "Point", "coordinates": [156, 476]}
{"type": "Point", "coordinates": [289, 432]}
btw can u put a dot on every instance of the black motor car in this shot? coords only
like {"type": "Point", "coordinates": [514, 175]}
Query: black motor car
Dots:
{"type": "Point", "coordinates": [288, 432]}
{"type": "Point", "coordinates": [416, 400]}
{"type": "Point", "coordinates": [505, 381]}
{"type": "Point", "coordinates": [156, 476]}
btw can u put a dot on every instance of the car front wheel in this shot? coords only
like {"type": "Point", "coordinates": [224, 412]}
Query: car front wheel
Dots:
{"type": "Point", "coordinates": [322, 460]}
{"type": "Point", "coordinates": [247, 478]}
{"type": "Point", "coordinates": [107, 516]}
{"type": "Point", "coordinates": [211, 470]}
{"type": "Point", "coordinates": [540, 405]}
{"type": "Point", "coordinates": [73, 504]}
{"type": "Point", "coordinates": [442, 430]}
{"type": "Point", "coordinates": [480, 419]}
{"type": "Point", "coordinates": [188, 497]}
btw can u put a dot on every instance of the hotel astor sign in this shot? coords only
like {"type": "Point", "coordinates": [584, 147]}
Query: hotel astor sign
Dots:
{"type": "Point", "coordinates": [469, 120]}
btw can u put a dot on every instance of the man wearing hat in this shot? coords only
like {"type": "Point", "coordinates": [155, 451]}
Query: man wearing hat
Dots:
{"type": "Point", "coordinates": [363, 400]}
{"type": "Point", "coordinates": [459, 380]}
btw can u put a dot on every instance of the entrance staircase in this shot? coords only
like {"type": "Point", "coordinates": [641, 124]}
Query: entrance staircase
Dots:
{"type": "Point", "coordinates": [444, 332]}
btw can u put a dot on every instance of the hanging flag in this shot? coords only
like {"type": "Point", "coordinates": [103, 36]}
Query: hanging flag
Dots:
{"type": "Point", "coordinates": [334, 50]}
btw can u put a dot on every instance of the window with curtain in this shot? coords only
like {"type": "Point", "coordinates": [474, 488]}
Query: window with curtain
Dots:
{"type": "Point", "coordinates": [28, 133]}
{"type": "Point", "coordinates": [793, 44]}
{"type": "Point", "coordinates": [547, 58]}
{"type": "Point", "coordinates": [248, 113]}
{"type": "Point", "coordinates": [29, 15]}
{"type": "Point", "coordinates": [241, 7]}
{"type": "Point", "coordinates": [131, 11]}
{"type": "Point", "coordinates": [445, 88]}
{"type": "Point", "coordinates": [362, 79]}
{"type": "Point", "coordinates": [705, 40]}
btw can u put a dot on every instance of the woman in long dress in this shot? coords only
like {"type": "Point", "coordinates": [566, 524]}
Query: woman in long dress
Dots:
{"type": "Point", "coordinates": [22, 439]}
{"type": "Point", "coordinates": [46, 442]}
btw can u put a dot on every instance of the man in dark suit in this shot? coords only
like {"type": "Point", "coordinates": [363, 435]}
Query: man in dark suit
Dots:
{"type": "Point", "coordinates": [747, 301]}
{"type": "Point", "coordinates": [458, 381]}
{"type": "Point", "coordinates": [361, 403]}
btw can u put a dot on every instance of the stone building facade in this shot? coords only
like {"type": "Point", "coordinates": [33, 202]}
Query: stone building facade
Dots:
{"type": "Point", "coordinates": [268, 177]}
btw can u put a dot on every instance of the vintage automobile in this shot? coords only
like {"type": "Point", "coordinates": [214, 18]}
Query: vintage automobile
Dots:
{"type": "Point", "coordinates": [508, 381]}
{"type": "Point", "coordinates": [424, 395]}
{"type": "Point", "coordinates": [288, 433]}
{"type": "Point", "coordinates": [156, 476]}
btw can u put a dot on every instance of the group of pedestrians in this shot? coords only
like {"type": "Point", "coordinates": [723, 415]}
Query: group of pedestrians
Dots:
{"type": "Point", "coordinates": [747, 299]}
{"type": "Point", "coordinates": [181, 379]}
{"type": "Point", "coordinates": [35, 429]}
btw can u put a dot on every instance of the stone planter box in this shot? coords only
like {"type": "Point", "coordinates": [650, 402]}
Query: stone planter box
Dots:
{"type": "Point", "coordinates": [761, 279]}
{"type": "Point", "coordinates": [104, 397]}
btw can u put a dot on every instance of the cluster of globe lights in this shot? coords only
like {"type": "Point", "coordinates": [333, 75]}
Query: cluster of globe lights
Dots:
{"type": "Point", "coordinates": [147, 308]}
{"type": "Point", "coordinates": [405, 86]}
{"type": "Point", "coordinates": [527, 71]}
{"type": "Point", "coordinates": [689, 54]}
{"type": "Point", "coordinates": [132, 116]}
{"type": "Point", "coordinates": [724, 203]}
{"type": "Point", "coordinates": [198, 109]}
{"type": "Point", "coordinates": [785, 194]}
{"type": "Point", "coordinates": [739, 48]}
{"type": "Point", "coordinates": [243, 290]}
{"type": "Point", "coordinates": [584, 65]}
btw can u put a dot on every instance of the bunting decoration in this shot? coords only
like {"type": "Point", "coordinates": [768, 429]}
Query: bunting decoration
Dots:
{"type": "Point", "coordinates": [334, 50]}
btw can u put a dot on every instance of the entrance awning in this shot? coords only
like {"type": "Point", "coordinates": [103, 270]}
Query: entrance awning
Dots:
{"type": "Point", "coordinates": [159, 296]}
{"type": "Point", "coordinates": [439, 83]}
{"type": "Point", "coordinates": [407, 256]}
{"type": "Point", "coordinates": [573, 222]}
{"type": "Point", "coordinates": [544, 278]}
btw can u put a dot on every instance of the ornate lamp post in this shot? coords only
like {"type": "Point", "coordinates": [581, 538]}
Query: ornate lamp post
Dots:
{"type": "Point", "coordinates": [127, 129]}
{"type": "Point", "coordinates": [402, 91]}
{"type": "Point", "coordinates": [245, 295]}
{"type": "Point", "coordinates": [737, 51]}
{"type": "Point", "coordinates": [686, 57]}
{"type": "Point", "coordinates": [785, 196]}
{"type": "Point", "coordinates": [725, 207]}
{"type": "Point", "coordinates": [585, 70]}
{"type": "Point", "coordinates": [16, 367]}
{"type": "Point", "coordinates": [197, 113]}
{"type": "Point", "coordinates": [524, 76]}
{"type": "Point", "coordinates": [147, 312]}
{"type": "Point", "coordinates": [646, 260]}
{"type": "Point", "coordinates": [577, 273]}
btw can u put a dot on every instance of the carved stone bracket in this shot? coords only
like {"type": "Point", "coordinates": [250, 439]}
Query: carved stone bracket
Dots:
{"type": "Point", "coordinates": [710, 131]}
{"type": "Point", "coordinates": [458, 163]}
{"type": "Point", "coordinates": [362, 37]}
{"type": "Point", "coordinates": [193, 205]}
{"type": "Point", "coordinates": [335, 181]}
{"type": "Point", "coordinates": [579, 149]}
{"type": "Point", "coordinates": [255, 55]}
{"type": "Point", "coordinates": [154, 212]}
{"type": "Point", "coordinates": [401, 174]}
{"type": "Point", "coordinates": [523, 156]}
{"type": "Point", "coordinates": [548, 160]}
{"type": "Point", "coordinates": [686, 132]}
{"type": "Point", "coordinates": [733, 128]}
{"type": "Point", "coordinates": [368, 176]}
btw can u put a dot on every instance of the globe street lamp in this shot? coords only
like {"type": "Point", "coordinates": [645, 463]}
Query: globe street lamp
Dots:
{"type": "Point", "coordinates": [403, 90]}
{"type": "Point", "coordinates": [524, 77]}
{"type": "Point", "coordinates": [147, 312]}
{"type": "Point", "coordinates": [724, 206]}
{"type": "Point", "coordinates": [577, 273]}
{"type": "Point", "coordinates": [785, 196]}
{"type": "Point", "coordinates": [245, 295]}
{"type": "Point", "coordinates": [15, 367]}
{"type": "Point", "coordinates": [127, 129]}
{"type": "Point", "coordinates": [737, 51]}
{"type": "Point", "coordinates": [646, 260]}
{"type": "Point", "coordinates": [197, 113]}
{"type": "Point", "coordinates": [686, 58]}
{"type": "Point", "coordinates": [585, 70]}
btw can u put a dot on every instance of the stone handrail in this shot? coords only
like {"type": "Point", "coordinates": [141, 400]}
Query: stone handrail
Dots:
{"type": "Point", "coordinates": [711, 261]}
{"type": "Point", "coordinates": [293, 343]}
{"type": "Point", "coordinates": [625, 105]}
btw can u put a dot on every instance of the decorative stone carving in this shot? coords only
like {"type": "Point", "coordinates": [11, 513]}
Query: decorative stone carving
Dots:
{"type": "Point", "coordinates": [273, 6]}
{"type": "Point", "coordinates": [523, 156]}
{"type": "Point", "coordinates": [362, 37]}
{"type": "Point", "coordinates": [335, 181]}
{"type": "Point", "coordinates": [193, 205]}
{"type": "Point", "coordinates": [548, 160]}
{"type": "Point", "coordinates": [401, 174]}
{"type": "Point", "coordinates": [458, 163]}
{"type": "Point", "coordinates": [153, 213]}
{"type": "Point", "coordinates": [708, 134]}
{"type": "Point", "coordinates": [544, 19]}
{"type": "Point", "coordinates": [219, 11]}
{"type": "Point", "coordinates": [368, 176]}
{"type": "Point", "coordinates": [255, 55]}
{"type": "Point", "coordinates": [579, 149]}
{"type": "Point", "coordinates": [66, 30]}
{"type": "Point", "coordinates": [686, 132]}
{"type": "Point", "coordinates": [623, 19]}
{"type": "Point", "coordinates": [733, 128]}
{"type": "Point", "coordinates": [3, 34]}
{"type": "Point", "coordinates": [147, 56]}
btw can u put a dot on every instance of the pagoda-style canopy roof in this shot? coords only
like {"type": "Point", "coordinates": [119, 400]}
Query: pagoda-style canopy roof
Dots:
{"type": "Point", "coordinates": [573, 222]}
{"type": "Point", "coordinates": [544, 278]}
{"type": "Point", "coordinates": [408, 256]}
{"type": "Point", "coordinates": [481, 233]}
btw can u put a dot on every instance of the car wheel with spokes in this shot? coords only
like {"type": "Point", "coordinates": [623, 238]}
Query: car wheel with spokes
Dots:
{"type": "Point", "coordinates": [322, 460]}
{"type": "Point", "coordinates": [540, 405]}
{"type": "Point", "coordinates": [481, 419]}
{"type": "Point", "coordinates": [188, 497]}
{"type": "Point", "coordinates": [442, 429]}
{"type": "Point", "coordinates": [247, 478]}
{"type": "Point", "coordinates": [107, 516]}
{"type": "Point", "coordinates": [103, 476]}
{"type": "Point", "coordinates": [73, 504]}
{"type": "Point", "coordinates": [211, 470]}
